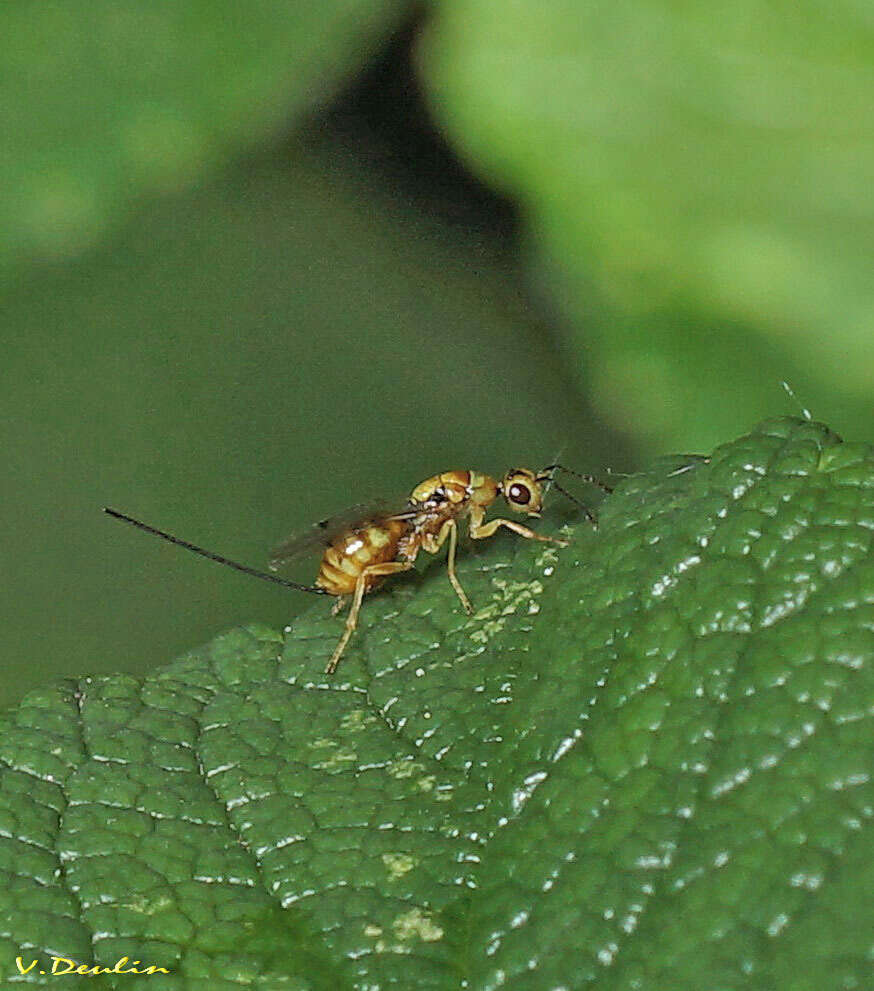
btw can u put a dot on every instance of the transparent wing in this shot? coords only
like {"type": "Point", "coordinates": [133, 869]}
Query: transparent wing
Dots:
{"type": "Point", "coordinates": [321, 534]}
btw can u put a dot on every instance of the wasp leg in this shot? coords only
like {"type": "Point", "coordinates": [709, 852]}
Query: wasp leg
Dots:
{"type": "Point", "coordinates": [433, 544]}
{"type": "Point", "coordinates": [338, 605]}
{"type": "Point", "coordinates": [372, 571]}
{"type": "Point", "coordinates": [479, 531]}
{"type": "Point", "coordinates": [450, 567]}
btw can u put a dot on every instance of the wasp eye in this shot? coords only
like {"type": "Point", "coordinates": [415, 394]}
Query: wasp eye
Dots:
{"type": "Point", "coordinates": [520, 494]}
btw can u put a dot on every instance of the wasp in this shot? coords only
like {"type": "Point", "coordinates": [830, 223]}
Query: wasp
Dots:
{"type": "Point", "coordinates": [366, 545]}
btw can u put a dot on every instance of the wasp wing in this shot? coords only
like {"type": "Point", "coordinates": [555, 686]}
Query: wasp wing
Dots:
{"type": "Point", "coordinates": [322, 534]}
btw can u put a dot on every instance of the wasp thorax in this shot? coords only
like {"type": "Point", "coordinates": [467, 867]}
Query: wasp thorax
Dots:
{"type": "Point", "coordinates": [522, 491]}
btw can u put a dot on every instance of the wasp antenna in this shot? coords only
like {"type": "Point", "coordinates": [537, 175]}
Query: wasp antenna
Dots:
{"type": "Point", "coordinates": [805, 412]}
{"type": "Point", "coordinates": [211, 555]}
{"type": "Point", "coordinates": [559, 453]}
{"type": "Point", "coordinates": [586, 478]}
{"type": "Point", "coordinates": [577, 502]}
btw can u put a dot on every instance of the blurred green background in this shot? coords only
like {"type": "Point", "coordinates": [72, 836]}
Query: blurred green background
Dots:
{"type": "Point", "coordinates": [262, 261]}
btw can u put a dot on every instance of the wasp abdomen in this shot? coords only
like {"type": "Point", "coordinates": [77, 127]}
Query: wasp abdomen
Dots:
{"type": "Point", "coordinates": [350, 553]}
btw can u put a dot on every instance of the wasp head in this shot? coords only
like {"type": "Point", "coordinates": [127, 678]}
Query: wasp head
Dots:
{"type": "Point", "coordinates": [523, 490]}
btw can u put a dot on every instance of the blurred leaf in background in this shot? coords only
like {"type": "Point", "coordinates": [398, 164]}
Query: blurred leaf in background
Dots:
{"type": "Point", "coordinates": [698, 182]}
{"type": "Point", "coordinates": [106, 102]}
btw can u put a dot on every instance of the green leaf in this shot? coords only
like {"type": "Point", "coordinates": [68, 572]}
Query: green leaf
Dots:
{"type": "Point", "coordinates": [109, 100]}
{"type": "Point", "coordinates": [642, 763]}
{"type": "Point", "coordinates": [704, 163]}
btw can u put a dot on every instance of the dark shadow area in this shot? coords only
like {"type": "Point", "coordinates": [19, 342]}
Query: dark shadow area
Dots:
{"type": "Point", "coordinates": [385, 115]}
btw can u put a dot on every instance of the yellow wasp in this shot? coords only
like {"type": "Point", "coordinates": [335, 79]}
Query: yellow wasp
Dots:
{"type": "Point", "coordinates": [364, 546]}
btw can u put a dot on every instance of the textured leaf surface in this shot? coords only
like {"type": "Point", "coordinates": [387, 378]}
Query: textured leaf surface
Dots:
{"type": "Point", "coordinates": [643, 762]}
{"type": "Point", "coordinates": [711, 159]}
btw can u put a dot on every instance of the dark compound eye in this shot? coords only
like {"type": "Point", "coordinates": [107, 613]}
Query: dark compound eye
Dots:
{"type": "Point", "coordinates": [520, 494]}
